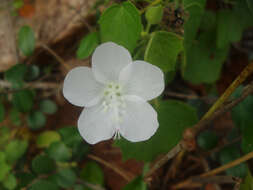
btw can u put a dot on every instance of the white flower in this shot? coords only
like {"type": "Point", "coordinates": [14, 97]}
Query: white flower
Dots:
{"type": "Point", "coordinates": [115, 92]}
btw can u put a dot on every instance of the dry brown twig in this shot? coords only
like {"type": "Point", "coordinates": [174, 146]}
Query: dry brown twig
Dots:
{"type": "Point", "coordinates": [125, 175]}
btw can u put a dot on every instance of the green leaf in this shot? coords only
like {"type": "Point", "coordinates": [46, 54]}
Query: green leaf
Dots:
{"type": "Point", "coordinates": [80, 150]}
{"type": "Point", "coordinates": [43, 185]}
{"type": "Point", "coordinates": [203, 62]}
{"type": "Point", "coordinates": [5, 135]}
{"type": "Point", "coordinates": [15, 150]}
{"type": "Point", "coordinates": [229, 154]}
{"type": "Point", "coordinates": [48, 106]}
{"type": "Point", "coordinates": [154, 14]}
{"type": "Point", "coordinates": [250, 5]}
{"type": "Point", "coordinates": [79, 187]}
{"type": "Point", "coordinates": [2, 112]}
{"type": "Point", "coordinates": [241, 114]}
{"type": "Point", "coordinates": [87, 45]}
{"type": "Point", "coordinates": [42, 164]}
{"type": "Point", "coordinates": [10, 182]}
{"type": "Point", "coordinates": [5, 168]}
{"type": "Point", "coordinates": [26, 40]}
{"type": "Point", "coordinates": [70, 136]}
{"type": "Point", "coordinates": [121, 24]}
{"type": "Point", "coordinates": [137, 184]}
{"type": "Point", "coordinates": [36, 120]}
{"type": "Point", "coordinates": [163, 49]}
{"type": "Point", "coordinates": [59, 152]}
{"type": "Point", "coordinates": [23, 100]}
{"type": "Point", "coordinates": [247, 140]}
{"type": "Point", "coordinates": [17, 4]}
{"type": "Point", "coordinates": [16, 74]}
{"type": "Point", "coordinates": [169, 133]}
{"type": "Point", "coordinates": [46, 138]}
{"type": "Point", "coordinates": [65, 178]}
{"type": "Point", "coordinates": [194, 9]}
{"type": "Point", "coordinates": [247, 183]}
{"type": "Point", "coordinates": [243, 11]}
{"type": "Point", "coordinates": [207, 140]}
{"type": "Point", "coordinates": [15, 117]}
{"type": "Point", "coordinates": [93, 173]}
{"type": "Point", "coordinates": [229, 28]}
{"type": "Point", "coordinates": [208, 21]}
{"type": "Point", "coordinates": [32, 73]}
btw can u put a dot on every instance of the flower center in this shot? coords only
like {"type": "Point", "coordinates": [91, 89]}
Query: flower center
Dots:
{"type": "Point", "coordinates": [114, 102]}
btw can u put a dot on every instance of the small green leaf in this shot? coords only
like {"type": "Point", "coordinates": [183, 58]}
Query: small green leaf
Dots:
{"type": "Point", "coordinates": [93, 173]}
{"type": "Point", "coordinates": [17, 4]}
{"type": "Point", "coordinates": [137, 184]}
{"type": "Point", "coordinates": [32, 73]}
{"type": "Point", "coordinates": [23, 100]}
{"type": "Point", "coordinates": [169, 133]}
{"type": "Point", "coordinates": [87, 45]}
{"type": "Point", "coordinates": [229, 154]}
{"type": "Point", "coordinates": [42, 164]}
{"type": "Point", "coordinates": [59, 152]}
{"type": "Point", "coordinates": [43, 185]}
{"type": "Point", "coordinates": [121, 24]}
{"type": "Point", "coordinates": [36, 120]}
{"type": "Point", "coordinates": [48, 106]}
{"type": "Point", "coordinates": [10, 182]}
{"type": "Point", "coordinates": [65, 178]}
{"type": "Point", "coordinates": [15, 150]}
{"type": "Point", "coordinates": [229, 28]}
{"type": "Point", "coordinates": [80, 150]}
{"type": "Point", "coordinates": [163, 49]}
{"type": "Point", "coordinates": [2, 112]}
{"type": "Point", "coordinates": [70, 136]}
{"type": "Point", "coordinates": [154, 14]}
{"type": "Point", "coordinates": [26, 40]}
{"type": "Point", "coordinates": [207, 140]}
{"type": "Point", "coordinates": [46, 138]}
{"type": "Point", "coordinates": [16, 74]}
{"type": "Point", "coordinates": [15, 117]}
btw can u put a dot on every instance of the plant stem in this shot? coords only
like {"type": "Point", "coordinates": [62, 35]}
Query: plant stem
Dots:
{"type": "Point", "coordinates": [239, 79]}
{"type": "Point", "coordinates": [150, 5]}
{"type": "Point", "coordinates": [214, 171]}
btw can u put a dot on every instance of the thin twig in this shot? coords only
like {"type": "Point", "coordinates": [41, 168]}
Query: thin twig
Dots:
{"type": "Point", "coordinates": [38, 85]}
{"type": "Point", "coordinates": [192, 132]}
{"type": "Point", "coordinates": [215, 171]}
{"type": "Point", "coordinates": [239, 79]}
{"type": "Point", "coordinates": [90, 185]}
{"type": "Point", "coordinates": [128, 177]}
{"type": "Point", "coordinates": [57, 57]}
{"type": "Point", "coordinates": [163, 160]}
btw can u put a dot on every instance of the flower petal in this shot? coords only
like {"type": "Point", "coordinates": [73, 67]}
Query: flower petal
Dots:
{"type": "Point", "coordinates": [80, 87]}
{"type": "Point", "coordinates": [142, 79]}
{"type": "Point", "coordinates": [139, 121]}
{"type": "Point", "coordinates": [108, 60]}
{"type": "Point", "coordinates": [95, 125]}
